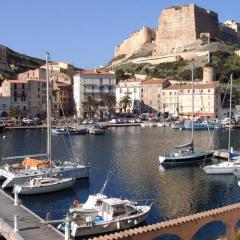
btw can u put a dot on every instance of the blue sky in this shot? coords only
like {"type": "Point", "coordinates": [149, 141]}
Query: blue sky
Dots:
{"type": "Point", "coordinates": [84, 32]}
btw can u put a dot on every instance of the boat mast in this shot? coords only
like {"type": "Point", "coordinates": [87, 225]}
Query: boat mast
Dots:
{"type": "Point", "coordinates": [49, 147]}
{"type": "Point", "coordinates": [230, 120]}
{"type": "Point", "coordinates": [192, 99]}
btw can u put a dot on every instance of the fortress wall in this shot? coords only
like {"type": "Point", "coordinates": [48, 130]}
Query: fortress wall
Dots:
{"type": "Point", "coordinates": [180, 26]}
{"type": "Point", "coordinates": [133, 43]}
{"type": "Point", "coordinates": [206, 22]}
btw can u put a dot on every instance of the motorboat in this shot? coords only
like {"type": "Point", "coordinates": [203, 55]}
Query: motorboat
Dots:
{"type": "Point", "coordinates": [69, 131]}
{"type": "Point", "coordinates": [31, 167]}
{"type": "Point", "coordinates": [95, 130]}
{"type": "Point", "coordinates": [102, 214]}
{"type": "Point", "coordinates": [42, 185]}
{"type": "Point", "coordinates": [177, 125]}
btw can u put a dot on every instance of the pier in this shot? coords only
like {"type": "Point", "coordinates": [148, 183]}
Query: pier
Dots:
{"type": "Point", "coordinates": [19, 223]}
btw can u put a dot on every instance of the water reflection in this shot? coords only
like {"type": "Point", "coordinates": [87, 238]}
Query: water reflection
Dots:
{"type": "Point", "coordinates": [133, 152]}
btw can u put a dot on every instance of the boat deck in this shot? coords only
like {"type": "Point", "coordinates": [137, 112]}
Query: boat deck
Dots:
{"type": "Point", "coordinates": [30, 225]}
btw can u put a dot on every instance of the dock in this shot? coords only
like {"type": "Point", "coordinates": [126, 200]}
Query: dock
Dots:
{"type": "Point", "coordinates": [29, 225]}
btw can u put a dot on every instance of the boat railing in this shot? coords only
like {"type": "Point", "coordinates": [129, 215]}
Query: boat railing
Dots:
{"type": "Point", "coordinates": [145, 202]}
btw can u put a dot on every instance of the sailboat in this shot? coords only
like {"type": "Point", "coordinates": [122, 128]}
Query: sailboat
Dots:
{"type": "Point", "coordinates": [186, 156]}
{"type": "Point", "coordinates": [226, 167]}
{"type": "Point", "coordinates": [30, 167]}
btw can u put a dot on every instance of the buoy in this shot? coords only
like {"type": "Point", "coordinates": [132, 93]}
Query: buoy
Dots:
{"type": "Point", "coordinates": [180, 129]}
{"type": "Point", "coordinates": [4, 137]}
{"type": "Point", "coordinates": [239, 183]}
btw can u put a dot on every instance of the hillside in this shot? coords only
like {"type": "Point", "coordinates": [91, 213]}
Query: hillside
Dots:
{"type": "Point", "coordinates": [19, 63]}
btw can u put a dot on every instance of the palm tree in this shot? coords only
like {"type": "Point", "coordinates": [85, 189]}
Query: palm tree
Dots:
{"type": "Point", "coordinates": [109, 100]}
{"type": "Point", "coordinates": [90, 105]}
{"type": "Point", "coordinates": [16, 112]}
{"type": "Point", "coordinates": [125, 102]}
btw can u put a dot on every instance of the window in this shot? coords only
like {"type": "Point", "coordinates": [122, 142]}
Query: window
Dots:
{"type": "Point", "coordinates": [181, 91]}
{"type": "Point", "coordinates": [109, 88]}
{"type": "Point", "coordinates": [23, 86]}
{"type": "Point", "coordinates": [15, 86]}
{"type": "Point", "coordinates": [101, 81]}
{"type": "Point", "coordinates": [188, 91]}
{"type": "Point", "coordinates": [134, 90]}
{"type": "Point", "coordinates": [120, 90]}
{"type": "Point", "coordinates": [209, 90]}
{"type": "Point", "coordinates": [110, 80]}
{"type": "Point", "coordinates": [170, 93]}
{"type": "Point", "coordinates": [4, 105]}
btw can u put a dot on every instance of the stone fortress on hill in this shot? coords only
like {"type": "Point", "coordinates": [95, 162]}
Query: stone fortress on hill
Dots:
{"type": "Point", "coordinates": [179, 27]}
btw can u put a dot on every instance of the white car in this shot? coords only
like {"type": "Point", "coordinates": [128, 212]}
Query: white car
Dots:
{"type": "Point", "coordinates": [27, 121]}
{"type": "Point", "coordinates": [114, 121]}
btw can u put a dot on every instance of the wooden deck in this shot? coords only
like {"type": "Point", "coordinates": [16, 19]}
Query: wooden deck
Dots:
{"type": "Point", "coordinates": [29, 224]}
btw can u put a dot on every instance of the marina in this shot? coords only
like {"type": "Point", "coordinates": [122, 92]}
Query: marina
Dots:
{"type": "Point", "coordinates": [133, 153]}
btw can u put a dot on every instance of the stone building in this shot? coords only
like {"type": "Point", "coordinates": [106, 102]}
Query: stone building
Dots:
{"type": "Point", "coordinates": [230, 31]}
{"type": "Point", "coordinates": [151, 95]}
{"type": "Point", "coordinates": [61, 88]}
{"type": "Point", "coordinates": [28, 95]}
{"type": "Point", "coordinates": [92, 83]}
{"type": "Point", "coordinates": [130, 87]}
{"type": "Point", "coordinates": [180, 26]}
{"type": "Point", "coordinates": [177, 98]}
{"type": "Point", "coordinates": [135, 41]}
{"type": "Point", "coordinates": [3, 58]}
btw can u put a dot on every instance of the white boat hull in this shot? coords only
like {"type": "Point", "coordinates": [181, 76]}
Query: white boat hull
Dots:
{"type": "Point", "coordinates": [108, 226]}
{"type": "Point", "coordinates": [12, 179]}
{"type": "Point", "coordinates": [221, 168]}
{"type": "Point", "coordinates": [31, 190]}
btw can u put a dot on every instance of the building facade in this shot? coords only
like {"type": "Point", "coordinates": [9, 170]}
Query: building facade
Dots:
{"type": "Point", "coordinates": [130, 87]}
{"type": "Point", "coordinates": [4, 106]}
{"type": "Point", "coordinates": [151, 95]}
{"type": "Point", "coordinates": [27, 95]}
{"type": "Point", "coordinates": [93, 83]}
{"type": "Point", "coordinates": [62, 103]}
{"type": "Point", "coordinates": [204, 100]}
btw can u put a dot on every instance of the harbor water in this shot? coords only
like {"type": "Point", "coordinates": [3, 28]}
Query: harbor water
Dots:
{"type": "Point", "coordinates": [132, 153]}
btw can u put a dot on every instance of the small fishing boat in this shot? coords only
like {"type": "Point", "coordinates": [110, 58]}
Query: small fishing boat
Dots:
{"type": "Point", "coordinates": [95, 130]}
{"type": "Point", "coordinates": [101, 214]}
{"type": "Point", "coordinates": [43, 185]}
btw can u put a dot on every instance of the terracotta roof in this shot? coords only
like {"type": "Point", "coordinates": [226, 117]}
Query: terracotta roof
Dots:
{"type": "Point", "coordinates": [189, 86]}
{"type": "Point", "coordinates": [131, 80]}
{"type": "Point", "coordinates": [95, 72]}
{"type": "Point", "coordinates": [153, 81]}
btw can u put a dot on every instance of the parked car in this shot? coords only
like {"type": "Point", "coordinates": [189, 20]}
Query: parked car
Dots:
{"type": "Point", "coordinates": [114, 121]}
{"type": "Point", "coordinates": [28, 121]}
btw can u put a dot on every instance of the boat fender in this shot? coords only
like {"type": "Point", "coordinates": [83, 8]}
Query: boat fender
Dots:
{"type": "Point", "coordinates": [76, 203]}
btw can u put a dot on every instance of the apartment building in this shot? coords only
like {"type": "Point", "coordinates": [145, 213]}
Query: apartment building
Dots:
{"type": "Point", "coordinates": [130, 87]}
{"type": "Point", "coordinates": [4, 106]}
{"type": "Point", "coordinates": [28, 95]}
{"type": "Point", "coordinates": [151, 95]}
{"type": "Point", "coordinates": [92, 83]}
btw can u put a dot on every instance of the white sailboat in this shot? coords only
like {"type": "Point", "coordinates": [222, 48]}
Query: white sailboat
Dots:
{"type": "Point", "coordinates": [186, 156]}
{"type": "Point", "coordinates": [226, 167]}
{"type": "Point", "coordinates": [30, 167]}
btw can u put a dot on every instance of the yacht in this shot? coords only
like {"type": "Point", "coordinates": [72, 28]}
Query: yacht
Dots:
{"type": "Point", "coordinates": [30, 167]}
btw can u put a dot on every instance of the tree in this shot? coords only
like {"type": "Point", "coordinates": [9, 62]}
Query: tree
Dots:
{"type": "Point", "coordinates": [120, 75]}
{"type": "Point", "coordinates": [16, 112]}
{"type": "Point", "coordinates": [90, 105]}
{"type": "Point", "coordinates": [109, 100]}
{"type": "Point", "coordinates": [125, 102]}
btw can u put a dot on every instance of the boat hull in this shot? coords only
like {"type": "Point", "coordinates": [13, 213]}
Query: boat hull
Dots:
{"type": "Point", "coordinates": [189, 160]}
{"type": "Point", "coordinates": [107, 226]}
{"type": "Point", "coordinates": [221, 168]}
{"type": "Point", "coordinates": [21, 178]}
{"type": "Point", "coordinates": [28, 190]}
